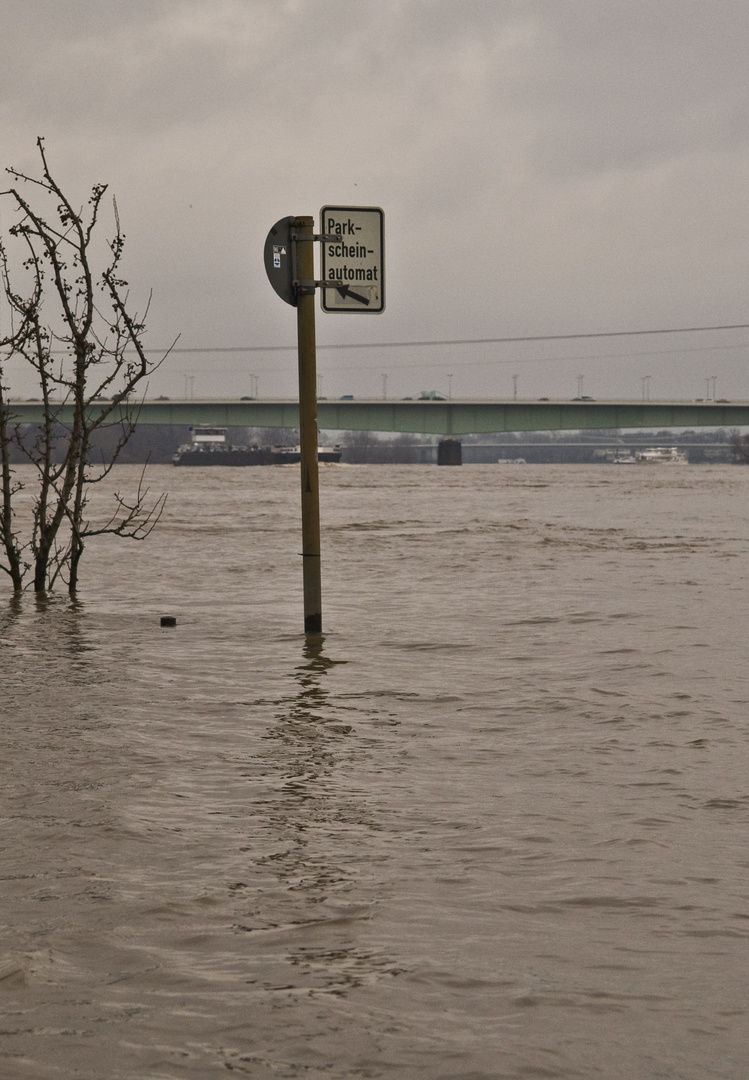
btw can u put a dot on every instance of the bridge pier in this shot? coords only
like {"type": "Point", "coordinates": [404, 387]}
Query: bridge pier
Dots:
{"type": "Point", "coordinates": [449, 452]}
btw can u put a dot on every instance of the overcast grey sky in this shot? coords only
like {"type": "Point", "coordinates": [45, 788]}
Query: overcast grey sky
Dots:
{"type": "Point", "coordinates": [545, 167]}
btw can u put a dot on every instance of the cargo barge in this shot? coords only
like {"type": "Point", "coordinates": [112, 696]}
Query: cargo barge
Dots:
{"type": "Point", "coordinates": [210, 446]}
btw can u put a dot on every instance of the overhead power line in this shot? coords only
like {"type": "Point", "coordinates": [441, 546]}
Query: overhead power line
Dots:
{"type": "Point", "coordinates": [461, 341]}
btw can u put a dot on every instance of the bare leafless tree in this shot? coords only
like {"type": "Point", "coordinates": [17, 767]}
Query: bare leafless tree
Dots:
{"type": "Point", "coordinates": [88, 360]}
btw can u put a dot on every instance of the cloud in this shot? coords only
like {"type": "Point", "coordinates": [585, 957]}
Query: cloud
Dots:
{"type": "Point", "coordinates": [544, 167]}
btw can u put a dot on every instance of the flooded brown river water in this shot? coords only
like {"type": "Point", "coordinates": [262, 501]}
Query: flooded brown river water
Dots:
{"type": "Point", "coordinates": [494, 826]}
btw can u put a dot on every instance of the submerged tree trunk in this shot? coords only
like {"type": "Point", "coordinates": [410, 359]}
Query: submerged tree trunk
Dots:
{"type": "Point", "coordinates": [14, 567]}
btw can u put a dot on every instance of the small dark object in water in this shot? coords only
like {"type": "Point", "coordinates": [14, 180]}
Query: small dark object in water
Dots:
{"type": "Point", "coordinates": [168, 620]}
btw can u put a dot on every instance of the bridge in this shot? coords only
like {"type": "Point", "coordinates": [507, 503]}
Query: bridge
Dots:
{"type": "Point", "coordinates": [454, 417]}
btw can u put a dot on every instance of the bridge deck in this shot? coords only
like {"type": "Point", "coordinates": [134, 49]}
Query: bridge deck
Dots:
{"type": "Point", "coordinates": [455, 417]}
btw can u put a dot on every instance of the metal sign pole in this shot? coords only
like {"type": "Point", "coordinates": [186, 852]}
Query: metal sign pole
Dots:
{"type": "Point", "coordinates": [305, 307]}
{"type": "Point", "coordinates": [355, 238]}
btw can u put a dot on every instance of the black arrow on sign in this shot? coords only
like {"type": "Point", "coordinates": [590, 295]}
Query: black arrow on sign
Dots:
{"type": "Point", "coordinates": [345, 292]}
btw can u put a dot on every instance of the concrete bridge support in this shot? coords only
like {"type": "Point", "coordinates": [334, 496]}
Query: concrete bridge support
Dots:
{"type": "Point", "coordinates": [449, 452]}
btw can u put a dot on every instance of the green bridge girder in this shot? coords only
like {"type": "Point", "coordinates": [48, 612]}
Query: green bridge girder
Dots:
{"type": "Point", "coordinates": [455, 417]}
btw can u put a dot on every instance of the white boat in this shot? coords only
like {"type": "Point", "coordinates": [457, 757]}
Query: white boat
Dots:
{"type": "Point", "coordinates": [661, 455]}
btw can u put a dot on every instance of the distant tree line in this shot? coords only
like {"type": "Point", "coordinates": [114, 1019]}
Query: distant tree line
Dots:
{"type": "Point", "coordinates": [153, 443]}
{"type": "Point", "coordinates": [370, 448]}
{"type": "Point", "coordinates": [595, 446]}
{"type": "Point", "coordinates": [157, 443]}
{"type": "Point", "coordinates": [740, 447]}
